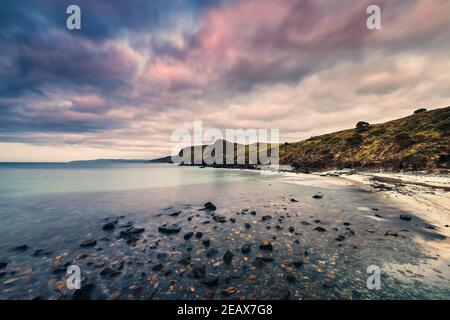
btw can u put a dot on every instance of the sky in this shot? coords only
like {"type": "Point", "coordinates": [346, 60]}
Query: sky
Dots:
{"type": "Point", "coordinates": [138, 70]}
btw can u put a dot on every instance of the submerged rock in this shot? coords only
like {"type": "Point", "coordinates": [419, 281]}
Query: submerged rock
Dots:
{"type": "Point", "coordinates": [20, 248]}
{"type": "Point", "coordinates": [109, 226]}
{"type": "Point", "coordinates": [206, 242]}
{"type": "Point", "coordinates": [317, 196]}
{"type": "Point", "coordinates": [246, 248]}
{"type": "Point", "coordinates": [3, 265]}
{"type": "Point", "coordinates": [211, 281]}
{"type": "Point", "coordinates": [228, 256]}
{"type": "Point", "coordinates": [199, 271]}
{"type": "Point", "coordinates": [405, 217]}
{"type": "Point", "coordinates": [198, 234]}
{"type": "Point", "coordinates": [212, 252]}
{"type": "Point", "coordinates": [175, 214]}
{"type": "Point", "coordinates": [158, 267]}
{"type": "Point", "coordinates": [247, 225]}
{"type": "Point", "coordinates": [320, 229]}
{"type": "Point", "coordinates": [266, 245]}
{"type": "Point", "coordinates": [291, 229]}
{"type": "Point", "coordinates": [188, 235]}
{"type": "Point", "coordinates": [340, 238]}
{"type": "Point", "coordinates": [88, 243]}
{"type": "Point", "coordinates": [298, 263]}
{"type": "Point", "coordinates": [84, 293]}
{"type": "Point", "coordinates": [266, 218]}
{"type": "Point", "coordinates": [109, 273]}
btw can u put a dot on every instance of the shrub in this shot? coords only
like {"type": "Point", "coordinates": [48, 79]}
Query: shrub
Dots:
{"type": "Point", "coordinates": [354, 140]}
{"type": "Point", "coordinates": [404, 140]}
{"type": "Point", "coordinates": [421, 110]}
{"type": "Point", "coordinates": [362, 126]}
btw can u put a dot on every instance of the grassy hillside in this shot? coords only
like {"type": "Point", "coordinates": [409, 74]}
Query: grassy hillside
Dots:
{"type": "Point", "coordinates": [416, 142]}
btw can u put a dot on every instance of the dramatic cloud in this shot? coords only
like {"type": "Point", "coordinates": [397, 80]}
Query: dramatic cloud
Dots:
{"type": "Point", "coordinates": [140, 69]}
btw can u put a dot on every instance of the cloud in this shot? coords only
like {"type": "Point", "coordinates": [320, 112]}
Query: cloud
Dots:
{"type": "Point", "coordinates": [140, 69]}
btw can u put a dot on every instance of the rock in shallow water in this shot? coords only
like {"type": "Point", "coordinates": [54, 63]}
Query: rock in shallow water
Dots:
{"type": "Point", "coordinates": [209, 206]}
{"type": "Point", "coordinates": [84, 293]}
{"type": "Point", "coordinates": [109, 226]}
{"type": "Point", "coordinates": [188, 235]}
{"type": "Point", "coordinates": [169, 229]}
{"type": "Point", "coordinates": [20, 248]}
{"type": "Point", "coordinates": [228, 256]}
{"type": "Point", "coordinates": [88, 243]}
{"type": "Point", "coordinates": [266, 245]}
{"type": "Point", "coordinates": [246, 248]}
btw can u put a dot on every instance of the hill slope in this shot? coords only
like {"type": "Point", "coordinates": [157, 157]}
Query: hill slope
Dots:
{"type": "Point", "coordinates": [416, 142]}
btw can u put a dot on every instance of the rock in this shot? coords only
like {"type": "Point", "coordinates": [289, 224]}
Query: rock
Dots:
{"type": "Point", "coordinates": [109, 273]}
{"type": "Point", "coordinates": [258, 262]}
{"type": "Point", "coordinates": [347, 224]}
{"type": "Point", "coordinates": [293, 200]}
{"type": "Point", "coordinates": [220, 219]}
{"type": "Point", "coordinates": [20, 248]}
{"type": "Point", "coordinates": [198, 234]}
{"type": "Point", "coordinates": [391, 233]}
{"type": "Point", "coordinates": [212, 252]}
{"type": "Point", "coordinates": [3, 265]}
{"type": "Point", "coordinates": [158, 267]}
{"type": "Point", "coordinates": [305, 223]}
{"type": "Point", "coordinates": [88, 243]}
{"type": "Point", "coordinates": [126, 225]}
{"type": "Point", "coordinates": [266, 218]}
{"type": "Point", "coordinates": [109, 226]}
{"type": "Point", "coordinates": [211, 281]}
{"type": "Point", "coordinates": [188, 235]}
{"type": "Point", "coordinates": [169, 230]}
{"type": "Point", "coordinates": [228, 256]}
{"type": "Point", "coordinates": [290, 278]}
{"type": "Point", "coordinates": [253, 213]}
{"type": "Point", "coordinates": [247, 225]}
{"type": "Point", "coordinates": [405, 217]}
{"type": "Point", "coordinates": [10, 282]}
{"type": "Point", "coordinates": [266, 245]}
{"type": "Point", "coordinates": [378, 215]}
{"type": "Point", "coordinates": [84, 293]}
{"type": "Point", "coordinates": [246, 249]}
{"type": "Point", "coordinates": [175, 214]}
{"type": "Point", "coordinates": [61, 268]}
{"type": "Point", "coordinates": [340, 238]}
{"type": "Point", "coordinates": [232, 220]}
{"type": "Point", "coordinates": [320, 229]}
{"type": "Point", "coordinates": [41, 252]}
{"type": "Point", "coordinates": [291, 229]}
{"type": "Point", "coordinates": [199, 271]}
{"type": "Point", "coordinates": [370, 231]}
{"type": "Point", "coordinates": [209, 206]}
{"type": "Point", "coordinates": [135, 231]}
{"type": "Point", "coordinates": [206, 242]}
{"type": "Point", "coordinates": [229, 291]}
{"type": "Point", "coordinates": [298, 263]}
{"type": "Point", "coordinates": [317, 196]}
{"type": "Point", "coordinates": [185, 260]}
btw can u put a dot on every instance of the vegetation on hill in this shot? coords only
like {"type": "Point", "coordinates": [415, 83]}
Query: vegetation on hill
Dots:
{"type": "Point", "coordinates": [417, 142]}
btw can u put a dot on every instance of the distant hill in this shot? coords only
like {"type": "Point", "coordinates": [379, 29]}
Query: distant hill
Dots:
{"type": "Point", "coordinates": [417, 142]}
{"type": "Point", "coordinates": [167, 159]}
{"type": "Point", "coordinates": [102, 161]}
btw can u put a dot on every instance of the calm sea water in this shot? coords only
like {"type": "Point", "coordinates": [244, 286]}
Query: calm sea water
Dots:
{"type": "Point", "coordinates": [52, 208]}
